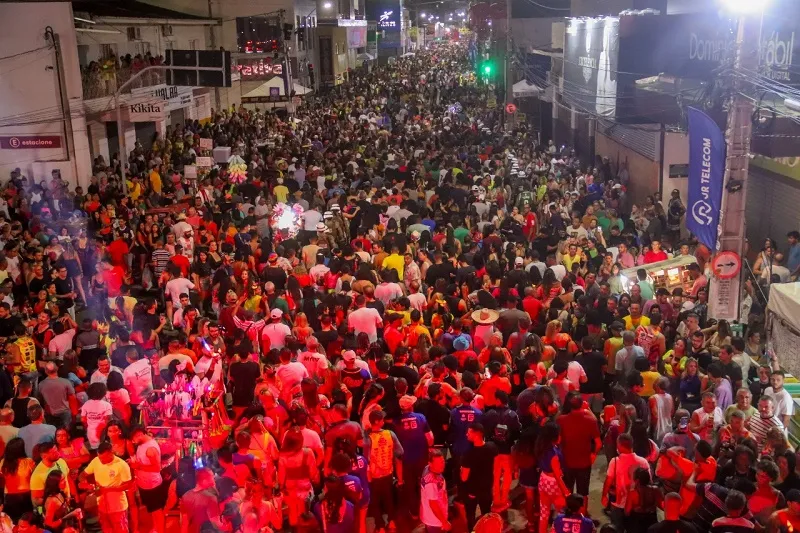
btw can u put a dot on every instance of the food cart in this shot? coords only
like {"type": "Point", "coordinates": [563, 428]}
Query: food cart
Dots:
{"type": "Point", "coordinates": [669, 274]}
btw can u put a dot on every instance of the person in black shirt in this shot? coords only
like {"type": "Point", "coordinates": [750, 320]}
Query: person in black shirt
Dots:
{"type": "Point", "coordinates": [594, 364]}
{"type": "Point", "coordinates": [243, 373]}
{"type": "Point", "coordinates": [672, 522]}
{"type": "Point", "coordinates": [439, 270]}
{"type": "Point", "coordinates": [757, 387]}
{"type": "Point", "coordinates": [477, 473]}
{"type": "Point", "coordinates": [390, 401]}
{"type": "Point", "coordinates": [435, 410]}
{"type": "Point", "coordinates": [7, 322]}
{"type": "Point", "coordinates": [400, 370]}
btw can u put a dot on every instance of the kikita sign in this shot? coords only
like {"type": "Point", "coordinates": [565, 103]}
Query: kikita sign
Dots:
{"type": "Point", "coordinates": [151, 111]}
{"type": "Point", "coordinates": [707, 151]}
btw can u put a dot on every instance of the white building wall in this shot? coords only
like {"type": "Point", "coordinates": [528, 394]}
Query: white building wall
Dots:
{"type": "Point", "coordinates": [92, 44]}
{"type": "Point", "coordinates": [29, 91]}
{"type": "Point", "coordinates": [676, 152]}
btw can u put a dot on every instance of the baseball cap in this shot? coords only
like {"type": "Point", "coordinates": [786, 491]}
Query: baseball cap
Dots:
{"type": "Point", "coordinates": [406, 401]}
{"type": "Point", "coordinates": [519, 261]}
{"type": "Point", "coordinates": [684, 422]}
{"type": "Point", "coordinates": [349, 355]}
{"type": "Point", "coordinates": [273, 257]}
{"type": "Point", "coordinates": [276, 313]}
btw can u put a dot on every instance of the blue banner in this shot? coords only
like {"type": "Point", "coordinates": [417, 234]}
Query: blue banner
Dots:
{"type": "Point", "coordinates": [707, 150]}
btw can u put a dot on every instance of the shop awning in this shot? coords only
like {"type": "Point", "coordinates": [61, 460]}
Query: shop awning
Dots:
{"type": "Point", "coordinates": [524, 88]}
{"type": "Point", "coordinates": [365, 57]}
{"type": "Point", "coordinates": [273, 90]}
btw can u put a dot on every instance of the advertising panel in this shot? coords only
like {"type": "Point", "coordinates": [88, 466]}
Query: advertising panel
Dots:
{"type": "Point", "coordinates": [591, 52]}
{"type": "Point", "coordinates": [707, 151]}
{"type": "Point", "coordinates": [357, 37]}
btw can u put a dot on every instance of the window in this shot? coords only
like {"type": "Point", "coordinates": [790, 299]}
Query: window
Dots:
{"type": "Point", "coordinates": [258, 34]}
{"type": "Point", "coordinates": [142, 48]}
{"type": "Point", "coordinates": [108, 50]}
{"type": "Point", "coordinates": [679, 171]}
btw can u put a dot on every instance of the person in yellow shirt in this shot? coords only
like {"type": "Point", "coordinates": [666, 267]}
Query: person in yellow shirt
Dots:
{"type": "Point", "coordinates": [395, 261]}
{"type": "Point", "coordinates": [573, 255]}
{"type": "Point", "coordinates": [155, 180]}
{"type": "Point", "coordinates": [113, 476]}
{"type": "Point", "coordinates": [635, 318]}
{"type": "Point", "coordinates": [281, 191]}
{"type": "Point", "coordinates": [417, 329]}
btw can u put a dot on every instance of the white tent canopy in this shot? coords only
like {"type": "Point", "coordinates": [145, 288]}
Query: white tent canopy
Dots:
{"type": "Point", "coordinates": [408, 54]}
{"type": "Point", "coordinates": [276, 82]}
{"type": "Point", "coordinates": [784, 301]}
{"type": "Point", "coordinates": [524, 88]}
{"type": "Point", "coordinates": [364, 56]}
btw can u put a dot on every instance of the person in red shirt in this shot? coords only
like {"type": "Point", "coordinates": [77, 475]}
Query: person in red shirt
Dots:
{"type": "Point", "coordinates": [495, 382]}
{"type": "Point", "coordinates": [655, 254]}
{"type": "Point", "coordinates": [113, 276]}
{"type": "Point", "coordinates": [180, 260]}
{"type": "Point", "coordinates": [118, 252]}
{"type": "Point", "coordinates": [532, 305]}
{"type": "Point", "coordinates": [580, 443]}
{"type": "Point", "coordinates": [393, 335]}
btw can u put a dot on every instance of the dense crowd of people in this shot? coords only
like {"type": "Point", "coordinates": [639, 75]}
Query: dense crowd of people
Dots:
{"type": "Point", "coordinates": [402, 312]}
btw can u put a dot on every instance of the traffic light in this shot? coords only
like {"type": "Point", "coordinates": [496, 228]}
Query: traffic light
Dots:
{"type": "Point", "coordinates": [486, 69]}
{"type": "Point", "coordinates": [287, 32]}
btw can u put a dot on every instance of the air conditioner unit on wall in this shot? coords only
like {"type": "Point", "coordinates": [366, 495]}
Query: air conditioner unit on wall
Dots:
{"type": "Point", "coordinates": [134, 33]}
{"type": "Point", "coordinates": [166, 30]}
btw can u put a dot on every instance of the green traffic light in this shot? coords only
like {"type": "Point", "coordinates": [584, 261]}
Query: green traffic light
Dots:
{"type": "Point", "coordinates": [487, 69]}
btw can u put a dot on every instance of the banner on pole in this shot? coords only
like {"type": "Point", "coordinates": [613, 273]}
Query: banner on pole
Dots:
{"type": "Point", "coordinates": [707, 150]}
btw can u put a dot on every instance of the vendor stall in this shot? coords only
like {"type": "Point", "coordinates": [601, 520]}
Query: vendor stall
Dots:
{"type": "Point", "coordinates": [669, 274]}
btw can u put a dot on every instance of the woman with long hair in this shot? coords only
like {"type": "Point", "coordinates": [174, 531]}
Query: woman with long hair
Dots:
{"type": "Point", "coordinates": [118, 437]}
{"type": "Point", "coordinates": [549, 289]}
{"type": "Point", "coordinates": [720, 337]}
{"type": "Point", "coordinates": [17, 469]}
{"type": "Point", "coordinates": [552, 489]}
{"type": "Point", "coordinates": [57, 513]}
{"type": "Point", "coordinates": [334, 512]}
{"type": "Point", "coordinates": [690, 386]}
{"type": "Point", "coordinates": [73, 451]}
{"type": "Point", "coordinates": [642, 502]}
{"type": "Point", "coordinates": [297, 474]}
{"type": "Point", "coordinates": [369, 403]}
{"type": "Point", "coordinates": [643, 446]}
{"type": "Point", "coordinates": [557, 340]}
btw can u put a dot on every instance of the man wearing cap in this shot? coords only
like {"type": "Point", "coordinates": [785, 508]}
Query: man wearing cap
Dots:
{"type": "Point", "coordinates": [274, 334]}
{"type": "Point", "coordinates": [416, 437]}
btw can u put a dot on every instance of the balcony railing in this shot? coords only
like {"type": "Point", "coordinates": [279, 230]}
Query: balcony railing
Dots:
{"type": "Point", "coordinates": [101, 80]}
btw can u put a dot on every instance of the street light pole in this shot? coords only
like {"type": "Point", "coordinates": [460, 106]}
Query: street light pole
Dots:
{"type": "Point", "coordinates": [724, 295]}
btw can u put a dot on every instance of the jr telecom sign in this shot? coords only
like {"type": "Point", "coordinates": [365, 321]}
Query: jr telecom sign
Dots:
{"type": "Point", "coordinates": [707, 150]}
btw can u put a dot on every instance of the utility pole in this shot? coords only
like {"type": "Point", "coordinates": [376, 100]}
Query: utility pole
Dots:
{"type": "Point", "coordinates": [213, 43]}
{"type": "Point", "coordinates": [724, 295]}
{"type": "Point", "coordinates": [509, 96]}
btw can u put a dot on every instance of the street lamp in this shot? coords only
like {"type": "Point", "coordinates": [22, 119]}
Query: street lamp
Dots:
{"type": "Point", "coordinates": [327, 5]}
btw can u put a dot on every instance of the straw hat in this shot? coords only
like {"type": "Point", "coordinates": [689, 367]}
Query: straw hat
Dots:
{"type": "Point", "coordinates": [485, 316]}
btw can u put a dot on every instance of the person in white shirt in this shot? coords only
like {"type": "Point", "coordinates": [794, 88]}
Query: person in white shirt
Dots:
{"type": "Point", "coordinates": [290, 374]}
{"type": "Point", "coordinates": [276, 331]}
{"type": "Point", "coordinates": [138, 377]}
{"type": "Point", "coordinates": [62, 341]}
{"type": "Point", "coordinates": [364, 319]}
{"type": "Point", "coordinates": [387, 291]}
{"type": "Point", "coordinates": [784, 405]}
{"type": "Point", "coordinates": [104, 368]}
{"type": "Point", "coordinates": [315, 362]}
{"type": "Point", "coordinates": [173, 289]}
{"type": "Point", "coordinates": [416, 298]}
{"type": "Point", "coordinates": [95, 414]}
